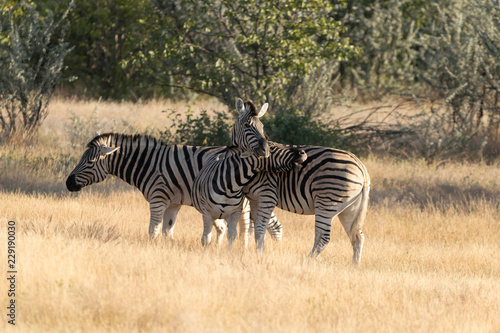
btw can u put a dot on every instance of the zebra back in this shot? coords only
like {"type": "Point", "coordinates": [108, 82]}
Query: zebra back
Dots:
{"type": "Point", "coordinates": [217, 190]}
{"type": "Point", "coordinates": [327, 178]}
{"type": "Point", "coordinates": [157, 170]}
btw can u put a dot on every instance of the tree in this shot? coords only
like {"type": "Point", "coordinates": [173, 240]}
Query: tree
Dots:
{"type": "Point", "coordinates": [30, 68]}
{"type": "Point", "coordinates": [106, 36]}
{"type": "Point", "coordinates": [252, 49]}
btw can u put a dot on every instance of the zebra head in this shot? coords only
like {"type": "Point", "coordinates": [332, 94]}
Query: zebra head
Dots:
{"type": "Point", "coordinates": [284, 158]}
{"type": "Point", "coordinates": [93, 166]}
{"type": "Point", "coordinates": [248, 131]}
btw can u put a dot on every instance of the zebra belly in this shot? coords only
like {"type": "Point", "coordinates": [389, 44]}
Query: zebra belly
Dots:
{"type": "Point", "coordinates": [223, 211]}
{"type": "Point", "coordinates": [303, 208]}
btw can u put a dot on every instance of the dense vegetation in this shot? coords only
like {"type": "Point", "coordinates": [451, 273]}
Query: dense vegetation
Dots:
{"type": "Point", "coordinates": [301, 56]}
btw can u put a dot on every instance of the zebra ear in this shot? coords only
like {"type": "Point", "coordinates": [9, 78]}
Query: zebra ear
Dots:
{"type": "Point", "coordinates": [96, 134]}
{"type": "Point", "coordinates": [240, 107]}
{"type": "Point", "coordinates": [262, 110]}
{"type": "Point", "coordinates": [108, 150]}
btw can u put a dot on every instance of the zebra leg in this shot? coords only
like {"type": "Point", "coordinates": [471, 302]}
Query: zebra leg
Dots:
{"type": "Point", "coordinates": [169, 218]}
{"type": "Point", "coordinates": [352, 219]}
{"type": "Point", "coordinates": [245, 222]}
{"type": "Point", "coordinates": [275, 228]}
{"type": "Point", "coordinates": [220, 226]}
{"type": "Point", "coordinates": [259, 229]}
{"type": "Point", "coordinates": [206, 238]}
{"type": "Point", "coordinates": [232, 223]}
{"type": "Point", "coordinates": [322, 229]}
{"type": "Point", "coordinates": [261, 222]}
{"type": "Point", "coordinates": [156, 216]}
{"type": "Point", "coordinates": [251, 226]}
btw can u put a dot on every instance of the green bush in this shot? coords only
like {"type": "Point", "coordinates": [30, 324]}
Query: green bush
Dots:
{"type": "Point", "coordinates": [107, 36]}
{"type": "Point", "coordinates": [201, 130]}
{"type": "Point", "coordinates": [294, 128]}
{"type": "Point", "coordinates": [30, 68]}
{"type": "Point", "coordinates": [253, 49]}
{"type": "Point", "coordinates": [287, 128]}
{"type": "Point", "coordinates": [460, 52]}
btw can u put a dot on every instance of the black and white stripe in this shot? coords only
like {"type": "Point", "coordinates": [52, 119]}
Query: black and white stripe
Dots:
{"type": "Point", "coordinates": [249, 119]}
{"type": "Point", "coordinates": [331, 183]}
{"type": "Point", "coordinates": [218, 189]}
{"type": "Point", "coordinates": [163, 173]}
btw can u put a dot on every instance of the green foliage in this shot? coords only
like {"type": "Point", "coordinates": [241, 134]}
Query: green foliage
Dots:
{"type": "Point", "coordinates": [107, 35]}
{"type": "Point", "coordinates": [287, 128]}
{"type": "Point", "coordinates": [461, 51]}
{"type": "Point", "coordinates": [386, 31]}
{"type": "Point", "coordinates": [297, 55]}
{"type": "Point", "coordinates": [294, 128]}
{"type": "Point", "coordinates": [445, 54]}
{"type": "Point", "coordinates": [251, 49]}
{"type": "Point", "coordinates": [30, 68]}
{"type": "Point", "coordinates": [201, 130]}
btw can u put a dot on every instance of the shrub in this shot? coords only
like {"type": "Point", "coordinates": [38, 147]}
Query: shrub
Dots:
{"type": "Point", "coordinates": [31, 69]}
{"type": "Point", "coordinates": [294, 128]}
{"type": "Point", "coordinates": [201, 130]}
{"type": "Point", "coordinates": [433, 136]}
{"type": "Point", "coordinates": [460, 51]}
{"type": "Point", "coordinates": [287, 128]}
{"type": "Point", "coordinates": [247, 48]}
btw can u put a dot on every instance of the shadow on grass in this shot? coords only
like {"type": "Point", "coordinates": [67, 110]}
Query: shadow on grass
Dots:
{"type": "Point", "coordinates": [76, 230]}
{"type": "Point", "coordinates": [34, 175]}
{"type": "Point", "coordinates": [437, 195]}
{"type": "Point", "coordinates": [20, 178]}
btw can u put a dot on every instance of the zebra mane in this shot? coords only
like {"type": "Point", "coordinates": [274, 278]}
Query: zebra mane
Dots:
{"type": "Point", "coordinates": [109, 137]}
{"type": "Point", "coordinates": [250, 106]}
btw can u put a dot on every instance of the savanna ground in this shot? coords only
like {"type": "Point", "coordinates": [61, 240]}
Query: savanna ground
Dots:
{"type": "Point", "coordinates": [85, 264]}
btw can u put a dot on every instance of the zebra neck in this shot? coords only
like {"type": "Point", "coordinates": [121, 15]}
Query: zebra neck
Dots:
{"type": "Point", "coordinates": [243, 170]}
{"type": "Point", "coordinates": [272, 165]}
{"type": "Point", "coordinates": [132, 157]}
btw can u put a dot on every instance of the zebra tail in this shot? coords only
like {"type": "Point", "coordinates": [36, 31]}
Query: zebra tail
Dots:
{"type": "Point", "coordinates": [359, 221]}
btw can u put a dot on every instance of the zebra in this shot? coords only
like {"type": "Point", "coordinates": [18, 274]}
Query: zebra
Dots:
{"type": "Point", "coordinates": [218, 189]}
{"type": "Point", "coordinates": [249, 116]}
{"type": "Point", "coordinates": [163, 173]}
{"type": "Point", "coordinates": [331, 182]}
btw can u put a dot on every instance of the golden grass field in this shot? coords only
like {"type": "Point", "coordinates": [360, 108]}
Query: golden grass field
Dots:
{"type": "Point", "coordinates": [430, 262]}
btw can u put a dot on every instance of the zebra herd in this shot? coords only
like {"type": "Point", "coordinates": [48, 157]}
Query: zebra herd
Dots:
{"type": "Point", "coordinates": [248, 178]}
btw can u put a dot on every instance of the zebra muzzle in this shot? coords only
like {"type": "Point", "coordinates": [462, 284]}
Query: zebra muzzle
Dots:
{"type": "Point", "coordinates": [301, 158]}
{"type": "Point", "coordinates": [263, 149]}
{"type": "Point", "coordinates": [72, 185]}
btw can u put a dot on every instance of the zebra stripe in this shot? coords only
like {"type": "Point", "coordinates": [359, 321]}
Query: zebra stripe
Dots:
{"type": "Point", "coordinates": [218, 189]}
{"type": "Point", "coordinates": [163, 173]}
{"type": "Point", "coordinates": [331, 183]}
{"type": "Point", "coordinates": [248, 128]}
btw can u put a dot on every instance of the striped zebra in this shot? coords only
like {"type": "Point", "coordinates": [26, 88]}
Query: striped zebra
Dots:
{"type": "Point", "coordinates": [330, 183]}
{"type": "Point", "coordinates": [163, 173]}
{"type": "Point", "coordinates": [218, 189]}
{"type": "Point", "coordinates": [249, 117]}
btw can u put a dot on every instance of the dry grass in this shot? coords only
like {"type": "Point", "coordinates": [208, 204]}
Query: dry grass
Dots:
{"type": "Point", "coordinates": [430, 261]}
